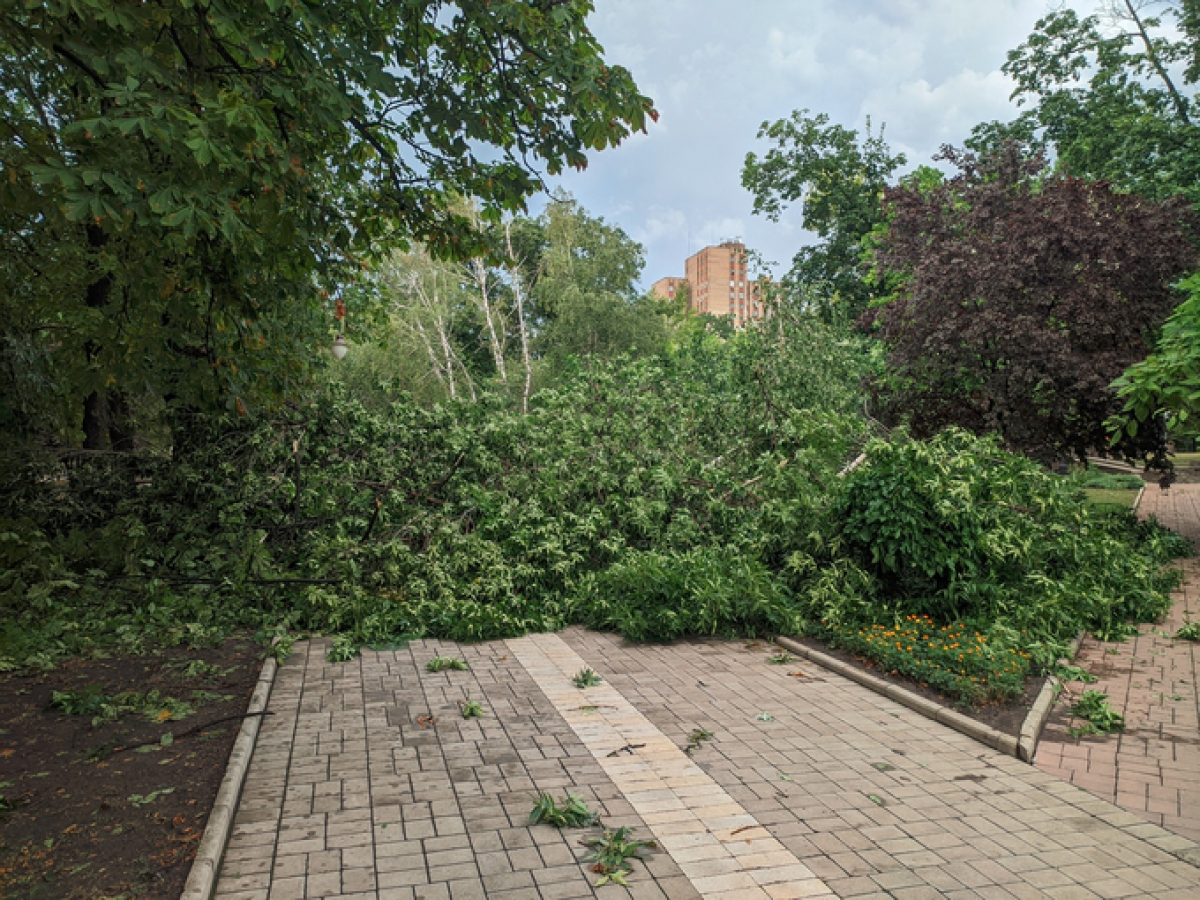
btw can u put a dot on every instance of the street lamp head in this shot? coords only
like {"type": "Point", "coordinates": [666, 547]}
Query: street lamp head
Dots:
{"type": "Point", "coordinates": [339, 347]}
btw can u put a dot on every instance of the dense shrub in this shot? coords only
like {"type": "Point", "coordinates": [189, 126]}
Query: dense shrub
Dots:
{"type": "Point", "coordinates": [956, 529]}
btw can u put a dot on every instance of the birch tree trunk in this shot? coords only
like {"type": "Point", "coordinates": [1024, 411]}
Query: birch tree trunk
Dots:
{"type": "Point", "coordinates": [518, 289]}
{"type": "Point", "coordinates": [478, 271]}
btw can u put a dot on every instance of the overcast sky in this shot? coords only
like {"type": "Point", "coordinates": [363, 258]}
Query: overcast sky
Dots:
{"type": "Point", "coordinates": [717, 69]}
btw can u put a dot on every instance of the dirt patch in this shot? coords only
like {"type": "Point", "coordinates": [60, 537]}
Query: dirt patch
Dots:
{"type": "Point", "coordinates": [1006, 718]}
{"type": "Point", "coordinates": [111, 803]}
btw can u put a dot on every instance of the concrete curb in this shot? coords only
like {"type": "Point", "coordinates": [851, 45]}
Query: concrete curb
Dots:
{"type": "Point", "coordinates": [990, 737]}
{"type": "Point", "coordinates": [202, 880]}
{"type": "Point", "coordinates": [1031, 728]}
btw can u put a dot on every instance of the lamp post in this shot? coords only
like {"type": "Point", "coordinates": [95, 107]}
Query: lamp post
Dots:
{"type": "Point", "coordinates": [340, 347]}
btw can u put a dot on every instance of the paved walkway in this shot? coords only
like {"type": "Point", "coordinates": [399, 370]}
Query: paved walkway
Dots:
{"type": "Point", "coordinates": [810, 786]}
{"type": "Point", "coordinates": [1152, 768]}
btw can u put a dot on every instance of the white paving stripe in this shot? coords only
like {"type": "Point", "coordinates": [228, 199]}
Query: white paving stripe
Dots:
{"type": "Point", "coordinates": [720, 847]}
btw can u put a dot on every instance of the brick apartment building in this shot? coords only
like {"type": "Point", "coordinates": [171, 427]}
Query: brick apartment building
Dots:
{"type": "Point", "coordinates": [717, 279]}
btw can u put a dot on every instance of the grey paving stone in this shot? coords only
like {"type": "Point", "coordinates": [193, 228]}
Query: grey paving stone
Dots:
{"type": "Point", "coordinates": [342, 757]}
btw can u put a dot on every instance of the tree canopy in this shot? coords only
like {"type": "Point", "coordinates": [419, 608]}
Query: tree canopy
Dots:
{"type": "Point", "coordinates": [553, 287]}
{"type": "Point", "coordinates": [839, 182]}
{"type": "Point", "coordinates": [1022, 296]}
{"type": "Point", "coordinates": [183, 180]}
{"type": "Point", "coordinates": [1104, 92]}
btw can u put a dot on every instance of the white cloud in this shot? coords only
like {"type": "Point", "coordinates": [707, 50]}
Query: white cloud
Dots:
{"type": "Point", "coordinates": [661, 225]}
{"type": "Point", "coordinates": [921, 115]}
{"type": "Point", "coordinates": [794, 55]}
{"type": "Point", "coordinates": [929, 69]}
{"type": "Point", "coordinates": [714, 231]}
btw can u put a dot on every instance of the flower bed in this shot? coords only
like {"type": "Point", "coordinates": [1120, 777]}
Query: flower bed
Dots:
{"type": "Point", "coordinates": [955, 659]}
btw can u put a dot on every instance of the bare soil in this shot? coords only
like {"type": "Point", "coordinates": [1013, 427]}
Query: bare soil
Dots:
{"type": "Point", "coordinates": [116, 809]}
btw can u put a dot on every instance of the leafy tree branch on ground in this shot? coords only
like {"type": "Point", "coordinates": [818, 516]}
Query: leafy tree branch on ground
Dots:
{"type": "Point", "coordinates": [696, 492]}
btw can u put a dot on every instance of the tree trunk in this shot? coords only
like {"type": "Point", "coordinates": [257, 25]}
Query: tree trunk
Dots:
{"type": "Point", "coordinates": [518, 290]}
{"type": "Point", "coordinates": [95, 421]}
{"type": "Point", "coordinates": [479, 274]}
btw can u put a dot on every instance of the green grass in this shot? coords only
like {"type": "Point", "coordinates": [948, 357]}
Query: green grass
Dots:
{"type": "Point", "coordinates": [1186, 459]}
{"type": "Point", "coordinates": [1121, 499]}
{"type": "Point", "coordinates": [1109, 481]}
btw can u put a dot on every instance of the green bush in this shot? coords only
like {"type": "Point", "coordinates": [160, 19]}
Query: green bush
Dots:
{"type": "Point", "coordinates": [956, 529]}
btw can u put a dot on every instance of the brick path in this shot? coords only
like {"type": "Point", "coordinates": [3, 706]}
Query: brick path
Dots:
{"type": "Point", "coordinates": [1153, 767]}
{"type": "Point", "coordinates": [842, 790]}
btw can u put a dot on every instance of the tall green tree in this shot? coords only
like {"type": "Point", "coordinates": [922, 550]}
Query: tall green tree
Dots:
{"type": "Point", "coordinates": [1104, 91]}
{"type": "Point", "coordinates": [586, 300]}
{"type": "Point", "coordinates": [560, 285]}
{"type": "Point", "coordinates": [181, 181]}
{"type": "Point", "coordinates": [839, 180]}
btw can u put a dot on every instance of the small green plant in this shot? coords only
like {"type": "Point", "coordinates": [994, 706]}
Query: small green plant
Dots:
{"type": "Point", "coordinates": [146, 799]}
{"type": "Point", "coordinates": [782, 658]}
{"type": "Point", "coordinates": [445, 663]}
{"type": "Point", "coordinates": [1094, 709]}
{"type": "Point", "coordinates": [207, 696]}
{"type": "Point", "coordinates": [471, 708]}
{"type": "Point", "coordinates": [1190, 631]}
{"type": "Point", "coordinates": [198, 668]}
{"type": "Point", "coordinates": [695, 739]}
{"type": "Point", "coordinates": [278, 641]}
{"type": "Point", "coordinates": [612, 853]}
{"type": "Point", "coordinates": [959, 659]}
{"type": "Point", "coordinates": [154, 705]}
{"type": "Point", "coordinates": [1074, 673]}
{"type": "Point", "coordinates": [570, 812]}
{"type": "Point", "coordinates": [586, 678]}
{"type": "Point", "coordinates": [345, 648]}
{"type": "Point", "coordinates": [88, 702]}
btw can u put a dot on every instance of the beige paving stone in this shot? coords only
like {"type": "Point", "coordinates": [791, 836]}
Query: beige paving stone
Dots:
{"type": "Point", "coordinates": [664, 787]}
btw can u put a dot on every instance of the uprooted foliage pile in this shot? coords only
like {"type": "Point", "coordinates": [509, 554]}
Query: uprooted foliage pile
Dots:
{"type": "Point", "coordinates": [693, 494]}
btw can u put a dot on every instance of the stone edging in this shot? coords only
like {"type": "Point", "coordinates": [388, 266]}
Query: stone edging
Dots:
{"type": "Point", "coordinates": [202, 880]}
{"type": "Point", "coordinates": [1031, 728]}
{"type": "Point", "coordinates": [997, 740]}
{"type": "Point", "coordinates": [1035, 721]}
